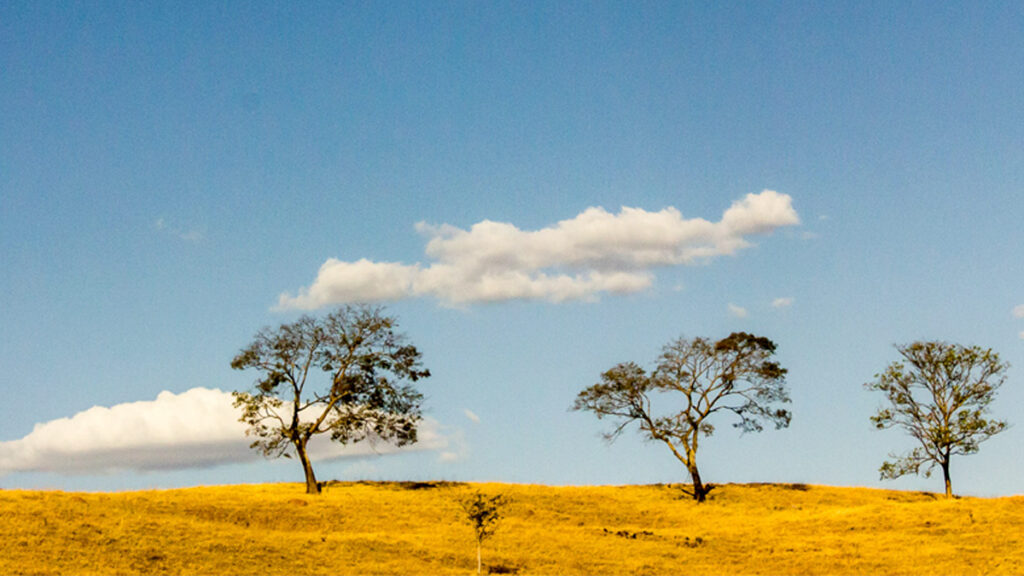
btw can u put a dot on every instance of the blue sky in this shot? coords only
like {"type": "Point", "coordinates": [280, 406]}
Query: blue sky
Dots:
{"type": "Point", "coordinates": [168, 173]}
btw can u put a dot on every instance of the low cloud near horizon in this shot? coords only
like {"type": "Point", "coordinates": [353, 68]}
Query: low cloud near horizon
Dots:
{"type": "Point", "coordinates": [737, 311]}
{"type": "Point", "coordinates": [194, 429]}
{"type": "Point", "coordinates": [577, 259]}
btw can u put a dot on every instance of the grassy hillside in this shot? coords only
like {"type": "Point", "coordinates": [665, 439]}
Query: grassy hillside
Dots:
{"type": "Point", "coordinates": [405, 528]}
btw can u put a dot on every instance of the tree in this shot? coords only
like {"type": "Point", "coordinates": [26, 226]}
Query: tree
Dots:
{"type": "Point", "coordinates": [939, 394]}
{"type": "Point", "coordinates": [735, 374]}
{"type": "Point", "coordinates": [365, 393]}
{"type": "Point", "coordinates": [484, 514]}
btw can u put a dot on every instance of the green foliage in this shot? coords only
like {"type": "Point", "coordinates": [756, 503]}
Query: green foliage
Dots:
{"type": "Point", "coordinates": [365, 392]}
{"type": "Point", "coordinates": [734, 375]}
{"type": "Point", "coordinates": [940, 394]}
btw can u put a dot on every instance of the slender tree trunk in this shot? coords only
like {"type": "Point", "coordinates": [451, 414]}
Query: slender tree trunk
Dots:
{"type": "Point", "coordinates": [700, 492]}
{"type": "Point", "coordinates": [945, 476]}
{"type": "Point", "coordinates": [478, 564]}
{"type": "Point", "coordinates": [311, 484]}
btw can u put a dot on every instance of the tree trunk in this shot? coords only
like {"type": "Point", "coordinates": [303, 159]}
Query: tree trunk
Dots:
{"type": "Point", "coordinates": [945, 476]}
{"type": "Point", "coordinates": [312, 487]}
{"type": "Point", "coordinates": [478, 564]}
{"type": "Point", "coordinates": [700, 492]}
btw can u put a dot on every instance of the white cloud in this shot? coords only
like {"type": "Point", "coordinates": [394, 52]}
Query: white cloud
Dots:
{"type": "Point", "coordinates": [1022, 335]}
{"type": "Point", "coordinates": [472, 416]}
{"type": "Point", "coordinates": [737, 311]}
{"type": "Point", "coordinates": [576, 259]}
{"type": "Point", "coordinates": [782, 302]}
{"type": "Point", "coordinates": [183, 234]}
{"type": "Point", "coordinates": [358, 281]}
{"type": "Point", "coordinates": [448, 457]}
{"type": "Point", "coordinates": [196, 428]}
{"type": "Point", "coordinates": [1018, 312]}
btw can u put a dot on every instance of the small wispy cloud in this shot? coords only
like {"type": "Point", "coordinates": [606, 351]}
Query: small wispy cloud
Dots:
{"type": "Point", "coordinates": [191, 236]}
{"type": "Point", "coordinates": [457, 447]}
{"type": "Point", "coordinates": [188, 235]}
{"type": "Point", "coordinates": [810, 234]}
{"type": "Point", "coordinates": [784, 302]}
{"type": "Point", "coordinates": [193, 429]}
{"type": "Point", "coordinates": [472, 416]}
{"type": "Point", "coordinates": [737, 311]}
{"type": "Point", "coordinates": [1018, 311]}
{"type": "Point", "coordinates": [577, 259]}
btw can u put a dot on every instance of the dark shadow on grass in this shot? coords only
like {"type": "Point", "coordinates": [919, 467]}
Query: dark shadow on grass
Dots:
{"type": "Point", "coordinates": [400, 485]}
{"type": "Point", "coordinates": [798, 486]}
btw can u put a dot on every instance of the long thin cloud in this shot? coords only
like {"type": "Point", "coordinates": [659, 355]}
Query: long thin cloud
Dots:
{"type": "Point", "coordinates": [578, 259]}
{"type": "Point", "coordinates": [197, 428]}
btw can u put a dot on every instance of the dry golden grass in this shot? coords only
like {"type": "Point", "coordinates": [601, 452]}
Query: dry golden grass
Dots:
{"type": "Point", "coordinates": [412, 528]}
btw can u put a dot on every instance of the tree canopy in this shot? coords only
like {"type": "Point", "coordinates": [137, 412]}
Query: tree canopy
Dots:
{"type": "Point", "coordinates": [734, 375]}
{"type": "Point", "coordinates": [940, 394]}
{"type": "Point", "coordinates": [348, 375]}
{"type": "Point", "coordinates": [484, 514]}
